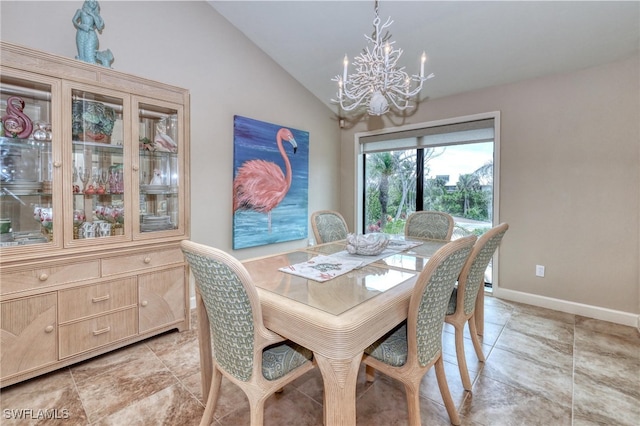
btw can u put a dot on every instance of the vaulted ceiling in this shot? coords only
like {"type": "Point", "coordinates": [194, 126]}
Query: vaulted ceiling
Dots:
{"type": "Point", "coordinates": [470, 44]}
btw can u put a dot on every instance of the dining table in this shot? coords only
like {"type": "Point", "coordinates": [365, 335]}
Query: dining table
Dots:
{"type": "Point", "coordinates": [338, 315]}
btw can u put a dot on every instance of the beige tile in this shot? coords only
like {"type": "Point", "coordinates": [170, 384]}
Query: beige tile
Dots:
{"type": "Point", "coordinates": [449, 353]}
{"type": "Point", "coordinates": [429, 385]}
{"type": "Point", "coordinates": [109, 363]}
{"type": "Point", "coordinates": [193, 385]}
{"type": "Point", "coordinates": [553, 383]}
{"type": "Point", "coordinates": [183, 358]}
{"type": "Point", "coordinates": [496, 311]}
{"type": "Point", "coordinates": [385, 403]}
{"type": "Point", "coordinates": [46, 400]}
{"type": "Point", "coordinates": [543, 313]}
{"type": "Point", "coordinates": [583, 323]}
{"type": "Point", "coordinates": [110, 391]}
{"type": "Point", "coordinates": [169, 406]}
{"type": "Point", "coordinates": [601, 402]}
{"type": "Point", "coordinates": [607, 377]}
{"type": "Point", "coordinates": [548, 326]}
{"type": "Point", "coordinates": [287, 408]}
{"type": "Point", "coordinates": [538, 348]}
{"type": "Point", "coordinates": [495, 403]}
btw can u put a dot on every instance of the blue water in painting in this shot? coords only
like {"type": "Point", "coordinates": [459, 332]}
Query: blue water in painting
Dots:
{"type": "Point", "coordinates": [253, 140]}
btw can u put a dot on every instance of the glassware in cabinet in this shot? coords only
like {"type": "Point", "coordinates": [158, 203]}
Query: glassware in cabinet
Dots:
{"type": "Point", "coordinates": [159, 168]}
{"type": "Point", "coordinates": [98, 178]}
{"type": "Point", "coordinates": [26, 162]}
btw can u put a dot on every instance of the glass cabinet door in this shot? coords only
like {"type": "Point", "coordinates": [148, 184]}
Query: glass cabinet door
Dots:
{"type": "Point", "coordinates": [99, 180]}
{"type": "Point", "coordinates": [28, 209]}
{"type": "Point", "coordinates": [159, 168]}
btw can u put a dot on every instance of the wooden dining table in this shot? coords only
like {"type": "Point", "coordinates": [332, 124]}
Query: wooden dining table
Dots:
{"type": "Point", "coordinates": [339, 318]}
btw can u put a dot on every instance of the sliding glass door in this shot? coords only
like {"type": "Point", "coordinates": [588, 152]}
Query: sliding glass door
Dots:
{"type": "Point", "coordinates": [449, 167]}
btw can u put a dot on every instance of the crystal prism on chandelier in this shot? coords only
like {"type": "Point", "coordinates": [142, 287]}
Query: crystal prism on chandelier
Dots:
{"type": "Point", "coordinates": [378, 85]}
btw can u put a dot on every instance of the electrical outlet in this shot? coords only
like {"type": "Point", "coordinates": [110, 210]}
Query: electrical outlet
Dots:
{"type": "Point", "coordinates": [539, 271]}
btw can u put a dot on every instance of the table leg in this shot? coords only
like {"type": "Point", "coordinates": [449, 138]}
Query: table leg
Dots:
{"type": "Point", "coordinates": [340, 377]}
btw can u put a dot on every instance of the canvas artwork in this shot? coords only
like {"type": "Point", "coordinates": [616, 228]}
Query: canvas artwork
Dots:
{"type": "Point", "coordinates": [270, 183]}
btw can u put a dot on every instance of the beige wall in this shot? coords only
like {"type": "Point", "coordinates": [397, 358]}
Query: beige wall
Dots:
{"type": "Point", "coordinates": [569, 185]}
{"type": "Point", "coordinates": [190, 45]}
{"type": "Point", "coordinates": [570, 155]}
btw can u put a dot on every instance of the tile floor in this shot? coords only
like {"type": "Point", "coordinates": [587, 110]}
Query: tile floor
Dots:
{"type": "Point", "coordinates": [543, 368]}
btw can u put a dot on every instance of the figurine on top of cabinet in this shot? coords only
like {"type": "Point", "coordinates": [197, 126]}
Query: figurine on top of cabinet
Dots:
{"type": "Point", "coordinates": [87, 21]}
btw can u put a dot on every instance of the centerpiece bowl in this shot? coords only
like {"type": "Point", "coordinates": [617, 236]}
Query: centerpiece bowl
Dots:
{"type": "Point", "coordinates": [367, 244]}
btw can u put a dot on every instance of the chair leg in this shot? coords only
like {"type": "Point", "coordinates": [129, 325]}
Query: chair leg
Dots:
{"type": "Point", "coordinates": [444, 391]}
{"type": "Point", "coordinates": [479, 311]}
{"type": "Point", "coordinates": [212, 400]}
{"type": "Point", "coordinates": [257, 412]}
{"type": "Point", "coordinates": [462, 361]}
{"type": "Point", "coordinates": [370, 373]}
{"type": "Point", "coordinates": [413, 404]}
{"type": "Point", "coordinates": [475, 339]}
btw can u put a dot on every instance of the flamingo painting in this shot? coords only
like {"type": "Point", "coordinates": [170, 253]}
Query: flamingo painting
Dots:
{"type": "Point", "coordinates": [260, 185]}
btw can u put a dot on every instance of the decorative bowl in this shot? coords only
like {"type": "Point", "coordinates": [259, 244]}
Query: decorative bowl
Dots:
{"type": "Point", "coordinates": [367, 244]}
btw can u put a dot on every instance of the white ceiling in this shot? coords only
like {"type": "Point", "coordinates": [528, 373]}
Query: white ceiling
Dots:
{"type": "Point", "coordinates": [470, 44]}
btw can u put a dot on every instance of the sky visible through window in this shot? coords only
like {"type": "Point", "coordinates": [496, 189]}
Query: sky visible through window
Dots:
{"type": "Point", "coordinates": [460, 159]}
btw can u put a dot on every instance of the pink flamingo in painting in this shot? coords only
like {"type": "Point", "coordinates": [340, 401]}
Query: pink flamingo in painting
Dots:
{"type": "Point", "coordinates": [260, 185]}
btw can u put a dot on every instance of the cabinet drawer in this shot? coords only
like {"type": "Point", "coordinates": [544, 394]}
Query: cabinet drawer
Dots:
{"type": "Point", "coordinates": [95, 332]}
{"type": "Point", "coordinates": [49, 275]}
{"type": "Point", "coordinates": [95, 299]}
{"type": "Point", "coordinates": [141, 261]}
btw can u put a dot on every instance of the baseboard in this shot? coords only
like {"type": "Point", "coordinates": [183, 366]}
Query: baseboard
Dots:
{"type": "Point", "coordinates": [596, 312]}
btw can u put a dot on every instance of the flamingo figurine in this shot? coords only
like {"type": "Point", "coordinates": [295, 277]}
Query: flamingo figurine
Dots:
{"type": "Point", "coordinates": [260, 185]}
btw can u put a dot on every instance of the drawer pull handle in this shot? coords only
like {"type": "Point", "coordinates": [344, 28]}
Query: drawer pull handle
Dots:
{"type": "Point", "coordinates": [104, 330]}
{"type": "Point", "coordinates": [48, 329]}
{"type": "Point", "coordinates": [144, 303]}
{"type": "Point", "coordinates": [135, 168]}
{"type": "Point", "coordinates": [43, 277]}
{"type": "Point", "coordinates": [147, 260]}
{"type": "Point", "coordinates": [101, 298]}
{"type": "Point", "coordinates": [57, 164]}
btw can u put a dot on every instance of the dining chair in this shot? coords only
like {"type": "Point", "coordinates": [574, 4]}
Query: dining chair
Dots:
{"type": "Point", "coordinates": [429, 225]}
{"type": "Point", "coordinates": [328, 225]}
{"type": "Point", "coordinates": [408, 351]}
{"type": "Point", "coordinates": [462, 304]}
{"type": "Point", "coordinates": [257, 360]}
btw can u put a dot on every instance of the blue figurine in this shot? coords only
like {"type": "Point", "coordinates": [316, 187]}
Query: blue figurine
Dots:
{"type": "Point", "coordinates": [87, 21]}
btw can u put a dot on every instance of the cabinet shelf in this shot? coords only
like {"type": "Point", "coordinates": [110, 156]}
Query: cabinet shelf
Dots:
{"type": "Point", "coordinates": [101, 146]}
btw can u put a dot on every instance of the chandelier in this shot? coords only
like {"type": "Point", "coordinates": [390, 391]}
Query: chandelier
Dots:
{"type": "Point", "coordinates": [377, 84]}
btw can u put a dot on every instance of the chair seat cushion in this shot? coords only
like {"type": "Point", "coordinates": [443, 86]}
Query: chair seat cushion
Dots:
{"type": "Point", "coordinates": [453, 301]}
{"type": "Point", "coordinates": [282, 358]}
{"type": "Point", "coordinates": [392, 347]}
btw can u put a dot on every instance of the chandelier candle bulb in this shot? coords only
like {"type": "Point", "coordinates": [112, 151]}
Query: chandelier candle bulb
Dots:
{"type": "Point", "coordinates": [344, 77]}
{"type": "Point", "coordinates": [423, 59]}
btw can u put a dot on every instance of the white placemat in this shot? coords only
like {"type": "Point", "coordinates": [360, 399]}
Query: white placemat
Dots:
{"type": "Point", "coordinates": [322, 268]}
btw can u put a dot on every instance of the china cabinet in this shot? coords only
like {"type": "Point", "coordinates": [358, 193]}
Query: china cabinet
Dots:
{"type": "Point", "coordinates": [94, 201]}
